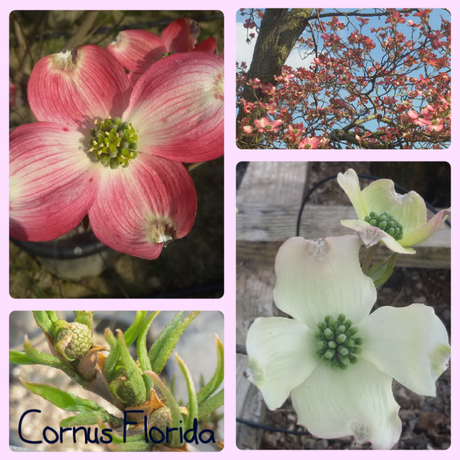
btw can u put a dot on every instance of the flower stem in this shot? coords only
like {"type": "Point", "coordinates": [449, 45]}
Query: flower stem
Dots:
{"type": "Point", "coordinates": [194, 165]}
{"type": "Point", "coordinates": [369, 256]}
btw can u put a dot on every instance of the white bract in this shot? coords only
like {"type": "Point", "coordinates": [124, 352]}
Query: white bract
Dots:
{"type": "Point", "coordinates": [380, 197]}
{"type": "Point", "coordinates": [336, 360]}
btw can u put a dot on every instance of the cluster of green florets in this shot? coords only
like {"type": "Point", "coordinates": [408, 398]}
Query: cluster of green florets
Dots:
{"type": "Point", "coordinates": [113, 143]}
{"type": "Point", "coordinates": [335, 343]}
{"type": "Point", "coordinates": [386, 222]}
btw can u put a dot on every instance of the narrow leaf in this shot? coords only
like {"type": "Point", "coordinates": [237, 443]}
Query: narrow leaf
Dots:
{"type": "Point", "coordinates": [84, 317]}
{"type": "Point", "coordinates": [44, 322]}
{"type": "Point", "coordinates": [132, 371]}
{"type": "Point", "coordinates": [133, 331]}
{"type": "Point", "coordinates": [91, 418]}
{"type": "Point", "coordinates": [211, 404]}
{"type": "Point", "coordinates": [110, 364]}
{"type": "Point", "coordinates": [162, 337]}
{"type": "Point", "coordinates": [173, 407]}
{"type": "Point", "coordinates": [142, 353]}
{"type": "Point", "coordinates": [381, 271]}
{"type": "Point", "coordinates": [218, 376]}
{"type": "Point", "coordinates": [48, 360]}
{"type": "Point", "coordinates": [192, 401]}
{"type": "Point", "coordinates": [19, 357]}
{"type": "Point", "coordinates": [171, 342]}
{"type": "Point", "coordinates": [61, 398]}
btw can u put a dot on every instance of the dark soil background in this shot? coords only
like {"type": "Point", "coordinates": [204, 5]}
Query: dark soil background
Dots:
{"type": "Point", "coordinates": [426, 420]}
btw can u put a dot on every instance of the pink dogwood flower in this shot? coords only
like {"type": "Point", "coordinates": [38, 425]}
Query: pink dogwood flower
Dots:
{"type": "Point", "coordinates": [103, 148]}
{"type": "Point", "coordinates": [309, 143]}
{"type": "Point", "coordinates": [137, 50]}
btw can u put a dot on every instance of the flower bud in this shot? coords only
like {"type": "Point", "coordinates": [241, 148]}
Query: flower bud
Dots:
{"type": "Point", "coordinates": [76, 339]}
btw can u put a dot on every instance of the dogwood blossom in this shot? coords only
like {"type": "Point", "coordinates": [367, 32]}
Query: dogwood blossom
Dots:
{"type": "Point", "coordinates": [406, 212]}
{"type": "Point", "coordinates": [103, 148]}
{"type": "Point", "coordinates": [335, 360]}
{"type": "Point", "coordinates": [137, 49]}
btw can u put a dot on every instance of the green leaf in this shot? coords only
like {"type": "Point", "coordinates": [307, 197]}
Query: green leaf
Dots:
{"type": "Point", "coordinates": [48, 360]}
{"type": "Point", "coordinates": [162, 337]}
{"type": "Point", "coordinates": [211, 404]}
{"type": "Point", "coordinates": [130, 336]}
{"type": "Point", "coordinates": [176, 414]}
{"type": "Point", "coordinates": [381, 271]}
{"type": "Point", "coordinates": [111, 362]}
{"type": "Point", "coordinates": [44, 322]}
{"type": "Point", "coordinates": [61, 398]}
{"type": "Point", "coordinates": [91, 418]}
{"type": "Point", "coordinates": [192, 401]}
{"type": "Point", "coordinates": [170, 343]}
{"type": "Point", "coordinates": [84, 317]}
{"type": "Point", "coordinates": [218, 376]}
{"type": "Point", "coordinates": [19, 357]}
{"type": "Point", "coordinates": [133, 331]}
{"type": "Point", "coordinates": [132, 371]}
{"type": "Point", "coordinates": [142, 353]}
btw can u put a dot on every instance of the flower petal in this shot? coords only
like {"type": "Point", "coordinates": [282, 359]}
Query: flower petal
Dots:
{"type": "Point", "coordinates": [52, 181]}
{"type": "Point", "coordinates": [408, 209]}
{"type": "Point", "coordinates": [371, 236]}
{"type": "Point", "coordinates": [178, 108]}
{"type": "Point", "coordinates": [358, 401]}
{"type": "Point", "coordinates": [319, 278]}
{"type": "Point", "coordinates": [410, 344]}
{"type": "Point", "coordinates": [180, 36]}
{"type": "Point", "coordinates": [350, 184]}
{"type": "Point", "coordinates": [423, 233]}
{"type": "Point", "coordinates": [208, 45]}
{"type": "Point", "coordinates": [137, 50]}
{"type": "Point", "coordinates": [74, 87]}
{"type": "Point", "coordinates": [142, 207]}
{"type": "Point", "coordinates": [281, 354]}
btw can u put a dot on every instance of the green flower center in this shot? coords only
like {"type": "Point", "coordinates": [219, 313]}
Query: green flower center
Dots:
{"type": "Point", "coordinates": [113, 143]}
{"type": "Point", "coordinates": [335, 342]}
{"type": "Point", "coordinates": [386, 222]}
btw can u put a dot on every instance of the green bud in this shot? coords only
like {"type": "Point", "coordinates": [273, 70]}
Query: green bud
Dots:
{"type": "Point", "coordinates": [76, 339]}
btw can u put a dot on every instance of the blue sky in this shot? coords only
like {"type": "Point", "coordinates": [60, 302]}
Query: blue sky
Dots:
{"type": "Point", "coordinates": [244, 51]}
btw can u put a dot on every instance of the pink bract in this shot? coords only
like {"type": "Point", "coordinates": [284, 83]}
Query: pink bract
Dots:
{"type": "Point", "coordinates": [55, 179]}
{"type": "Point", "coordinates": [137, 50]}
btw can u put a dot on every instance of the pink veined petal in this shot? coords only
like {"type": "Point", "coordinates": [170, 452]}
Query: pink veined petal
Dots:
{"type": "Point", "coordinates": [139, 209]}
{"type": "Point", "coordinates": [178, 108]}
{"type": "Point", "coordinates": [208, 45]}
{"type": "Point", "coordinates": [74, 87]}
{"type": "Point", "coordinates": [137, 50]}
{"type": "Point", "coordinates": [52, 181]}
{"type": "Point", "coordinates": [180, 36]}
{"type": "Point", "coordinates": [134, 77]}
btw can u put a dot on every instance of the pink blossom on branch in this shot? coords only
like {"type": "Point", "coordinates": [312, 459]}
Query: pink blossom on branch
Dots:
{"type": "Point", "coordinates": [117, 154]}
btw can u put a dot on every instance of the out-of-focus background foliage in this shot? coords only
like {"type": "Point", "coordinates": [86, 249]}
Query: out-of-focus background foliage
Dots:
{"type": "Point", "coordinates": [190, 267]}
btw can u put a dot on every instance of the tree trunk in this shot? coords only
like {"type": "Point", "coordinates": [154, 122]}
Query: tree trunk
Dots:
{"type": "Point", "coordinates": [278, 34]}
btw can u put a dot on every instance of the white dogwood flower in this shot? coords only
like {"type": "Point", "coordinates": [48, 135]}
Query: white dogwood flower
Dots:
{"type": "Point", "coordinates": [335, 360]}
{"type": "Point", "coordinates": [398, 221]}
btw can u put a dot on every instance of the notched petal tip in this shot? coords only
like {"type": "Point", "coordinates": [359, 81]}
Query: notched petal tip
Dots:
{"type": "Point", "coordinates": [65, 60]}
{"type": "Point", "coordinates": [254, 372]}
{"type": "Point", "coordinates": [160, 230]}
{"type": "Point", "coordinates": [440, 358]}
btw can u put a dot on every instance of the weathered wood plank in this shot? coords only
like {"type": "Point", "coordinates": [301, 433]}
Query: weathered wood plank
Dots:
{"type": "Point", "coordinates": [276, 183]}
{"type": "Point", "coordinates": [280, 184]}
{"type": "Point", "coordinates": [263, 227]}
